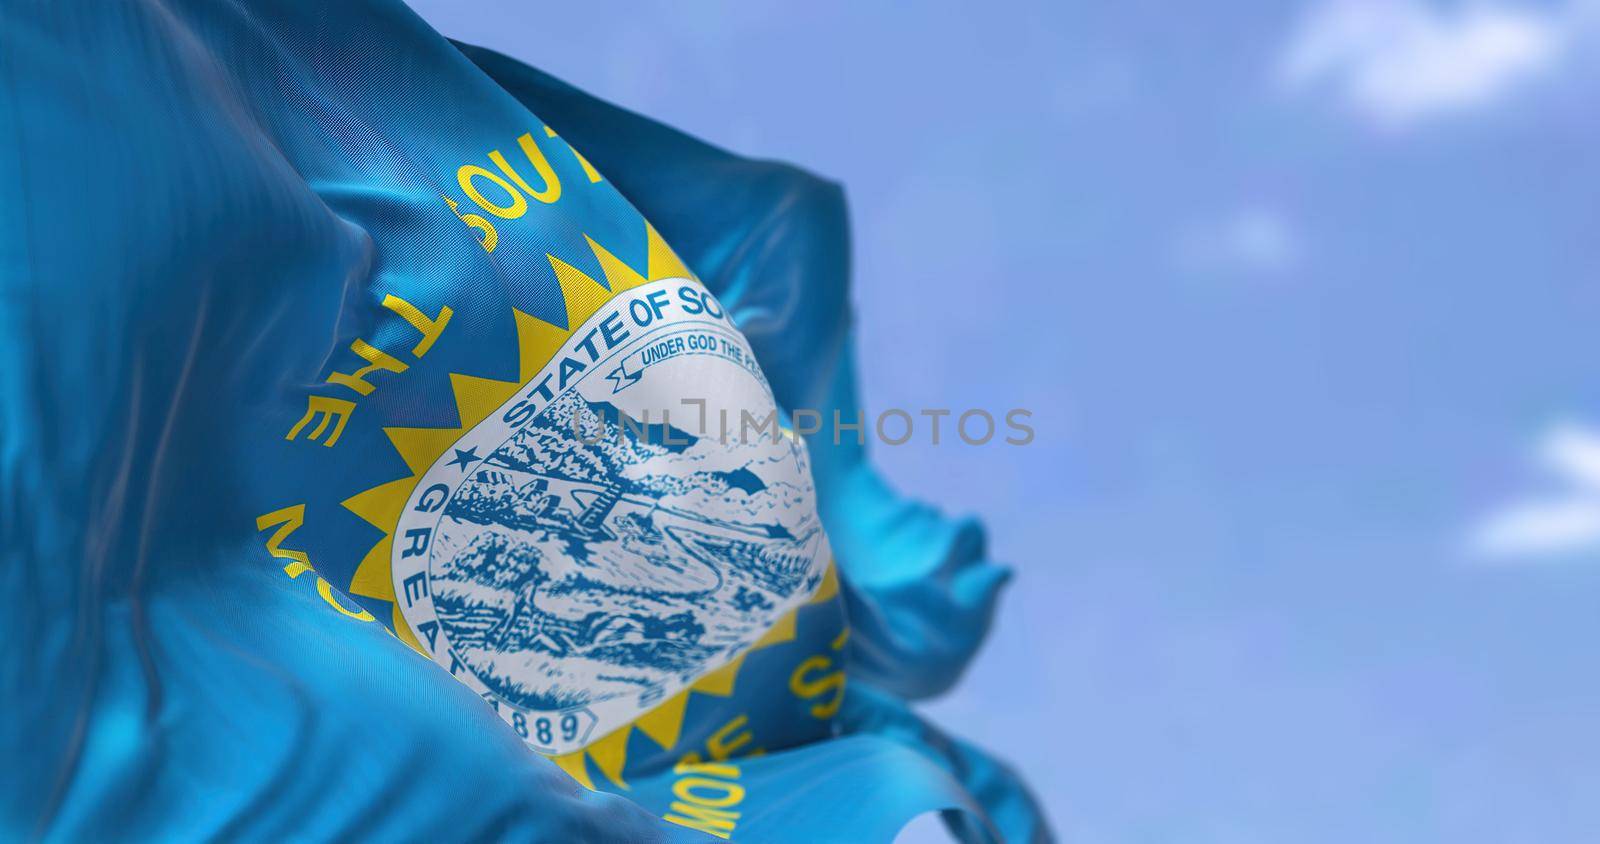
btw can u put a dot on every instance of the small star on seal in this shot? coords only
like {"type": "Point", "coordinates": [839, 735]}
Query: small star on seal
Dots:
{"type": "Point", "coordinates": [465, 459]}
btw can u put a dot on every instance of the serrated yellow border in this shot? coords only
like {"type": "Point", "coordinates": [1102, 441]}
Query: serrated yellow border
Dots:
{"type": "Point", "coordinates": [475, 398]}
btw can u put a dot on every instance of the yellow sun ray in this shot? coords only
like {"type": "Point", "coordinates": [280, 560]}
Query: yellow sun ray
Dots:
{"type": "Point", "coordinates": [610, 753]}
{"type": "Point", "coordinates": [619, 275]}
{"type": "Point", "coordinates": [665, 722]}
{"type": "Point", "coordinates": [584, 295]}
{"type": "Point", "coordinates": [476, 398]}
{"type": "Point", "coordinates": [720, 682]}
{"type": "Point", "coordinates": [381, 505]}
{"type": "Point", "coordinates": [662, 262]}
{"type": "Point", "coordinates": [419, 447]}
{"type": "Point", "coordinates": [828, 588]}
{"type": "Point", "coordinates": [537, 342]}
{"type": "Point", "coordinates": [371, 579]}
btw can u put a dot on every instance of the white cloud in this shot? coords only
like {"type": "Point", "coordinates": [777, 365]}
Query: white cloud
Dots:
{"type": "Point", "coordinates": [1252, 240]}
{"type": "Point", "coordinates": [1574, 451]}
{"type": "Point", "coordinates": [1397, 62]}
{"type": "Point", "coordinates": [1552, 524]}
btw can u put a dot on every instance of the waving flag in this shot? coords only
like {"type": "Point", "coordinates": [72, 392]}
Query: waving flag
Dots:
{"type": "Point", "coordinates": [363, 470]}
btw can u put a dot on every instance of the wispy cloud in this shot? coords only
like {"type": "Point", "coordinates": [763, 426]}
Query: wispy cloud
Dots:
{"type": "Point", "coordinates": [1398, 62]}
{"type": "Point", "coordinates": [1559, 523]}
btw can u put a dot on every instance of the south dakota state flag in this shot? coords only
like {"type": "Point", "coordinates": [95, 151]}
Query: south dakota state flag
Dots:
{"type": "Point", "coordinates": [365, 466]}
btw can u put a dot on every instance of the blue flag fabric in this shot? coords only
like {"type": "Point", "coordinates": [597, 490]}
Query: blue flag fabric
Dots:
{"type": "Point", "coordinates": [331, 500]}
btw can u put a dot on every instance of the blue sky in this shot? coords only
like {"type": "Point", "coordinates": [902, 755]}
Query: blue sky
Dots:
{"type": "Point", "coordinates": [1302, 298]}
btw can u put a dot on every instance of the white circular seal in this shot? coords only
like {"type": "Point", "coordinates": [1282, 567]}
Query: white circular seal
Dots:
{"type": "Point", "coordinates": [630, 520]}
